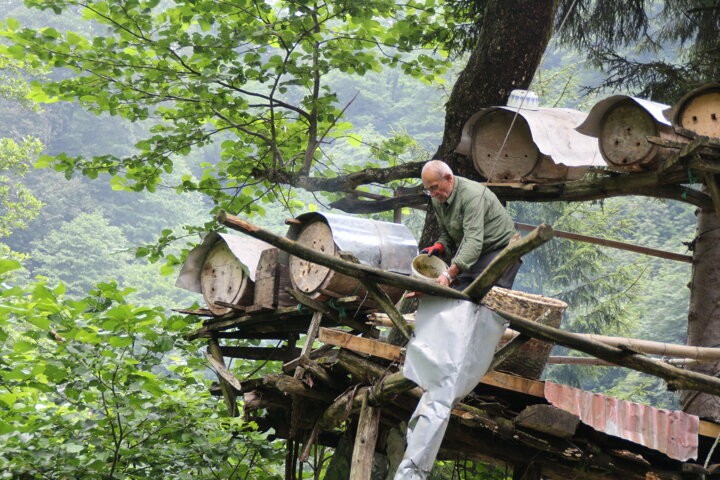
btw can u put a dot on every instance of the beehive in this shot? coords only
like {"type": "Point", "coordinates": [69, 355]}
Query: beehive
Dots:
{"type": "Point", "coordinates": [223, 269]}
{"type": "Point", "coordinates": [384, 245]}
{"type": "Point", "coordinates": [528, 145]}
{"type": "Point", "coordinates": [698, 111]}
{"type": "Point", "coordinates": [622, 125]}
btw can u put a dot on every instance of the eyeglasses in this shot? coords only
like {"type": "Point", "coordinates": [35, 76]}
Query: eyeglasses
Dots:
{"type": "Point", "coordinates": [431, 189]}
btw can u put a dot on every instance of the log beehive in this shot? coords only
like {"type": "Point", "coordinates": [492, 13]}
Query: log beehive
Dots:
{"type": "Point", "coordinates": [528, 145]}
{"type": "Point", "coordinates": [622, 125]}
{"type": "Point", "coordinates": [384, 245]}
{"type": "Point", "coordinates": [698, 111]}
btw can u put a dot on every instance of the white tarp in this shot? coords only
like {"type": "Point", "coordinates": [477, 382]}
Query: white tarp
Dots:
{"type": "Point", "coordinates": [453, 347]}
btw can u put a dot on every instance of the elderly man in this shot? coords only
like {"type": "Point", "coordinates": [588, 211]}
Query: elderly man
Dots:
{"type": "Point", "coordinates": [474, 226]}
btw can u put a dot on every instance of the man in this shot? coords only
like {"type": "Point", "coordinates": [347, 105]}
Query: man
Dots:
{"type": "Point", "coordinates": [474, 226]}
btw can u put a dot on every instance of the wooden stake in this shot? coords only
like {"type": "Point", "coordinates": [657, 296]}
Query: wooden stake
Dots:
{"type": "Point", "coordinates": [229, 394]}
{"type": "Point", "coordinates": [365, 441]}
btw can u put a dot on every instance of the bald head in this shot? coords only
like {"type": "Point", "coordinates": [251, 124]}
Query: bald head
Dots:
{"type": "Point", "coordinates": [436, 168]}
{"type": "Point", "coordinates": [438, 180]}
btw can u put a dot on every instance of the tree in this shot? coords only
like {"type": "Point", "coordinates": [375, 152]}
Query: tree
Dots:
{"type": "Point", "coordinates": [99, 388]}
{"type": "Point", "coordinates": [250, 76]}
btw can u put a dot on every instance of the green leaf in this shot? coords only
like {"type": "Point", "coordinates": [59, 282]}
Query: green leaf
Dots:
{"type": "Point", "coordinates": [7, 265]}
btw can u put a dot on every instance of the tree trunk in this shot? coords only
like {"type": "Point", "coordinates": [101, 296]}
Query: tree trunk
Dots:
{"type": "Point", "coordinates": [513, 38]}
{"type": "Point", "coordinates": [704, 312]}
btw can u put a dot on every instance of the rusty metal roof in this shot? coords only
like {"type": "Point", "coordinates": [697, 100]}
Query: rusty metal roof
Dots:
{"type": "Point", "coordinates": [671, 432]}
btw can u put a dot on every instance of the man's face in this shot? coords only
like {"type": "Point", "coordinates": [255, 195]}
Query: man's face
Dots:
{"type": "Point", "coordinates": [437, 186]}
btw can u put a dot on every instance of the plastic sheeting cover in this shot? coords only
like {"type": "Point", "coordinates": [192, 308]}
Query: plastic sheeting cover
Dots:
{"type": "Point", "coordinates": [453, 347]}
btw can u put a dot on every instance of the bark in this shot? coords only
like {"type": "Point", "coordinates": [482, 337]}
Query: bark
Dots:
{"type": "Point", "coordinates": [513, 37]}
{"type": "Point", "coordinates": [704, 312]}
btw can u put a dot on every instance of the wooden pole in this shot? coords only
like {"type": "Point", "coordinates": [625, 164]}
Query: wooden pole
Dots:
{"type": "Point", "coordinates": [365, 441]}
{"type": "Point", "coordinates": [355, 270]}
{"type": "Point", "coordinates": [228, 391]}
{"type": "Point", "coordinates": [676, 378]}
{"type": "Point", "coordinates": [614, 244]}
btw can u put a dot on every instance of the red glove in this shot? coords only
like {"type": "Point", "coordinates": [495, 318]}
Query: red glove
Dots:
{"type": "Point", "coordinates": [437, 249]}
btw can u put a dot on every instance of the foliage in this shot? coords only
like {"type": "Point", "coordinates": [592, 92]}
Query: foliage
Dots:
{"type": "Point", "coordinates": [17, 203]}
{"type": "Point", "coordinates": [250, 77]}
{"type": "Point", "coordinates": [637, 43]}
{"type": "Point", "coordinates": [99, 388]}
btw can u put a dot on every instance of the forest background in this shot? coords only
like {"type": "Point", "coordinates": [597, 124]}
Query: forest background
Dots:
{"type": "Point", "coordinates": [95, 377]}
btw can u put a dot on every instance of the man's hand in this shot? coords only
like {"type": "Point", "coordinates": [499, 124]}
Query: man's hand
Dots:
{"type": "Point", "coordinates": [437, 249]}
{"type": "Point", "coordinates": [443, 280]}
{"type": "Point", "coordinates": [447, 277]}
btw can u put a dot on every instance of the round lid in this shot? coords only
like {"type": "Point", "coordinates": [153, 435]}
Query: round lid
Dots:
{"type": "Point", "coordinates": [519, 153]}
{"type": "Point", "coordinates": [222, 278]}
{"type": "Point", "coordinates": [305, 275]}
{"type": "Point", "coordinates": [624, 132]}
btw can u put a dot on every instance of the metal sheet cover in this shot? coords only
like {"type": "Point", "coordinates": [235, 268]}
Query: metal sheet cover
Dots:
{"type": "Point", "coordinates": [671, 432]}
{"type": "Point", "coordinates": [385, 245]}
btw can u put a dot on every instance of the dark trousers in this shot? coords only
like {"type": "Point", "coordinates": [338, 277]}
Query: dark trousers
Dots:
{"type": "Point", "coordinates": [467, 277]}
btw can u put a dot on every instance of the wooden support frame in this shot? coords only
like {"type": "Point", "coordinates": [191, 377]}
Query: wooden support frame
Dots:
{"type": "Point", "coordinates": [228, 386]}
{"type": "Point", "coordinates": [365, 441]}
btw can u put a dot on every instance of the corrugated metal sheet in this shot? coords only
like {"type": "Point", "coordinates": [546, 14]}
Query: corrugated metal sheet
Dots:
{"type": "Point", "coordinates": [671, 432]}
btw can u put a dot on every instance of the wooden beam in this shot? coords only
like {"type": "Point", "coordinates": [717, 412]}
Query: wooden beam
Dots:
{"type": "Point", "coordinates": [228, 382]}
{"type": "Point", "coordinates": [360, 344]}
{"type": "Point", "coordinates": [365, 441]}
{"type": "Point", "coordinates": [675, 378]}
{"type": "Point", "coordinates": [279, 354]}
{"type": "Point", "coordinates": [605, 184]}
{"type": "Point", "coordinates": [223, 373]}
{"type": "Point", "coordinates": [614, 244]}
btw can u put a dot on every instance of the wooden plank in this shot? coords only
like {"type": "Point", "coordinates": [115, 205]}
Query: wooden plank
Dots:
{"type": "Point", "coordinates": [365, 441]}
{"type": "Point", "coordinates": [362, 345]}
{"type": "Point", "coordinates": [709, 429]}
{"type": "Point", "coordinates": [223, 372]}
{"type": "Point", "coordinates": [524, 385]}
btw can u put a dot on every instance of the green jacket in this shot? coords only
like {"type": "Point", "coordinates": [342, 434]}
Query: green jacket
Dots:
{"type": "Point", "coordinates": [472, 221]}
